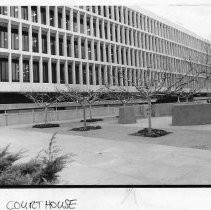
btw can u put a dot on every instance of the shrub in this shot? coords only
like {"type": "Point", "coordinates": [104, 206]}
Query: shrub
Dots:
{"type": "Point", "coordinates": [41, 170]}
{"type": "Point", "coordinates": [93, 120]}
{"type": "Point", "coordinates": [87, 128]}
{"type": "Point", "coordinates": [48, 125]}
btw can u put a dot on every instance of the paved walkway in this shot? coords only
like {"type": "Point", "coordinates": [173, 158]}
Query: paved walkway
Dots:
{"type": "Point", "coordinates": [111, 156]}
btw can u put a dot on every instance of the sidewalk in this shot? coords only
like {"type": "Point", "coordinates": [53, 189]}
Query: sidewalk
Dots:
{"type": "Point", "coordinates": [111, 156]}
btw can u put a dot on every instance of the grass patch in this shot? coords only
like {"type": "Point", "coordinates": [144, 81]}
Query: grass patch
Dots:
{"type": "Point", "coordinates": [93, 120]}
{"type": "Point", "coordinates": [48, 125]}
{"type": "Point", "coordinates": [155, 133]}
{"type": "Point", "coordinates": [88, 128]}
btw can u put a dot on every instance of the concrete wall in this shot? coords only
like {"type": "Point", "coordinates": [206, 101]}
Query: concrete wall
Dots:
{"type": "Point", "coordinates": [33, 116]}
{"type": "Point", "coordinates": [191, 114]}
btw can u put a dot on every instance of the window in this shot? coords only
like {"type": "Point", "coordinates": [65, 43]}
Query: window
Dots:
{"type": "Point", "coordinates": [90, 75]}
{"type": "Point", "coordinates": [35, 42]}
{"type": "Point", "coordinates": [43, 15]}
{"type": "Point", "coordinates": [44, 43]}
{"type": "Point", "coordinates": [82, 24]}
{"type": "Point", "coordinates": [61, 51]}
{"type": "Point", "coordinates": [34, 14]}
{"type": "Point", "coordinates": [76, 48]}
{"type": "Point", "coordinates": [69, 47]}
{"type": "Point", "coordinates": [84, 73]}
{"type": "Point", "coordinates": [95, 50]}
{"type": "Point", "coordinates": [88, 26]}
{"type": "Point", "coordinates": [14, 39]}
{"type": "Point", "coordinates": [36, 75]}
{"type": "Point", "coordinates": [75, 26]}
{"type": "Point", "coordinates": [77, 73]}
{"type": "Point", "coordinates": [4, 70]}
{"type": "Point", "coordinates": [105, 29]}
{"type": "Point", "coordinates": [53, 69]}
{"type": "Point", "coordinates": [59, 19]}
{"type": "Point", "coordinates": [62, 77]}
{"type": "Point", "coordinates": [70, 81]}
{"type": "Point", "coordinates": [14, 12]}
{"type": "Point", "coordinates": [94, 28]}
{"type": "Point", "coordinates": [26, 73]}
{"type": "Point", "coordinates": [89, 51]}
{"type": "Point", "coordinates": [51, 16]}
{"type": "Point", "coordinates": [3, 10]}
{"type": "Point", "coordinates": [83, 49]}
{"type": "Point", "coordinates": [24, 13]}
{"type": "Point", "coordinates": [45, 72]}
{"type": "Point", "coordinates": [53, 45]}
{"type": "Point", "coordinates": [15, 70]}
{"type": "Point", "coordinates": [25, 40]}
{"type": "Point", "coordinates": [67, 21]}
{"type": "Point", "coordinates": [3, 37]}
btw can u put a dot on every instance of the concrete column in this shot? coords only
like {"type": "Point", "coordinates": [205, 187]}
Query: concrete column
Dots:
{"type": "Point", "coordinates": [47, 15]}
{"type": "Point", "coordinates": [64, 18]}
{"type": "Point", "coordinates": [108, 29]}
{"type": "Point", "coordinates": [57, 43]}
{"type": "Point", "coordinates": [119, 55]}
{"type": "Point", "coordinates": [85, 24]}
{"type": "Point", "coordinates": [20, 36]}
{"type": "Point", "coordinates": [93, 74]}
{"type": "Point", "coordinates": [80, 74]}
{"type": "Point", "coordinates": [106, 79]}
{"type": "Point", "coordinates": [97, 27]}
{"type": "Point", "coordinates": [49, 71]}
{"type": "Point", "coordinates": [123, 34]}
{"type": "Point", "coordinates": [58, 71]}
{"type": "Point", "coordinates": [113, 30]}
{"type": "Point", "coordinates": [115, 54]}
{"type": "Point", "coordinates": [87, 74]}
{"type": "Point", "coordinates": [103, 29]}
{"type": "Point", "coordinates": [9, 34]}
{"type": "Point", "coordinates": [92, 50]}
{"type": "Point", "coordinates": [73, 72]}
{"type": "Point", "coordinates": [100, 75]}
{"type": "Point", "coordinates": [56, 16]}
{"type": "Point", "coordinates": [10, 67]}
{"type": "Point", "coordinates": [91, 26]}
{"type": "Point", "coordinates": [21, 68]}
{"type": "Point", "coordinates": [31, 69]}
{"type": "Point", "coordinates": [104, 52]}
{"type": "Point", "coordinates": [66, 71]}
{"type": "Point", "coordinates": [126, 15]}
{"type": "Point", "coordinates": [79, 47]}
{"type": "Point", "coordinates": [98, 51]}
{"type": "Point", "coordinates": [41, 70]}
{"type": "Point", "coordinates": [71, 19]}
{"type": "Point", "coordinates": [124, 56]}
{"type": "Point", "coordinates": [40, 40]}
{"type": "Point", "coordinates": [78, 22]}
{"type": "Point", "coordinates": [122, 14]}
{"type": "Point", "coordinates": [110, 75]}
{"type": "Point", "coordinates": [38, 15]}
{"type": "Point", "coordinates": [112, 12]}
{"type": "Point", "coordinates": [86, 48]}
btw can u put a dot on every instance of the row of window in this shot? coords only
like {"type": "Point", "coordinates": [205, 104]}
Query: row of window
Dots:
{"type": "Point", "coordinates": [90, 74]}
{"type": "Point", "coordinates": [130, 17]}
{"type": "Point", "coordinates": [99, 51]}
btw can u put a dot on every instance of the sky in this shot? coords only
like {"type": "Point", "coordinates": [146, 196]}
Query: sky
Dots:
{"type": "Point", "coordinates": [195, 15]}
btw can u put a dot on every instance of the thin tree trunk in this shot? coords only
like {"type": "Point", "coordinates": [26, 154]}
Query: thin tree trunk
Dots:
{"type": "Point", "coordinates": [84, 113]}
{"type": "Point", "coordinates": [46, 114]}
{"type": "Point", "coordinates": [186, 99]}
{"type": "Point", "coordinates": [178, 99]}
{"type": "Point", "coordinates": [149, 115]}
{"type": "Point", "coordinates": [90, 111]}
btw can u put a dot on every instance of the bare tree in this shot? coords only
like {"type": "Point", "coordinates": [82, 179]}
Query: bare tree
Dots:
{"type": "Point", "coordinates": [44, 100]}
{"type": "Point", "coordinates": [83, 98]}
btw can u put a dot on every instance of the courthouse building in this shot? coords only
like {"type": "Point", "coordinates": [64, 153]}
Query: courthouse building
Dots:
{"type": "Point", "coordinates": [42, 47]}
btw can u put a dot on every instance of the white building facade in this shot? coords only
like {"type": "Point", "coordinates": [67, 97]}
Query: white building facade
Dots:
{"type": "Point", "coordinates": [43, 47]}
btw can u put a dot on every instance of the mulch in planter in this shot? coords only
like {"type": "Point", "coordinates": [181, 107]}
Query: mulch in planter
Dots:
{"type": "Point", "coordinates": [88, 128]}
{"type": "Point", "coordinates": [93, 120]}
{"type": "Point", "coordinates": [154, 133]}
{"type": "Point", "coordinates": [48, 125]}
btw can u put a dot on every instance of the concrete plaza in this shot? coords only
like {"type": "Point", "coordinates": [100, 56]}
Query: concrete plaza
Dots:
{"type": "Point", "coordinates": [111, 156]}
